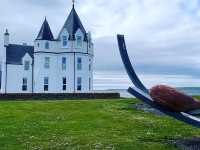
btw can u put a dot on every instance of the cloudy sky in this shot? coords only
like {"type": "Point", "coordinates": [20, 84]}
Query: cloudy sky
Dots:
{"type": "Point", "coordinates": [163, 36]}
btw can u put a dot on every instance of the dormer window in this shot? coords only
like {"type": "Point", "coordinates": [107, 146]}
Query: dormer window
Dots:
{"type": "Point", "coordinates": [64, 41]}
{"type": "Point", "coordinates": [79, 41]}
{"type": "Point", "coordinates": [47, 45]}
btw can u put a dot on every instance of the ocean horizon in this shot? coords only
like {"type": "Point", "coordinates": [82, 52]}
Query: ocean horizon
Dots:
{"type": "Point", "coordinates": [119, 81]}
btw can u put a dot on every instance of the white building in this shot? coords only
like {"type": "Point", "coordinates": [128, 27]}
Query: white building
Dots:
{"type": "Point", "coordinates": [53, 65]}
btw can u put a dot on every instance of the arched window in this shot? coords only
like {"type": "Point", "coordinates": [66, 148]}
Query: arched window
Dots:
{"type": "Point", "coordinates": [47, 45]}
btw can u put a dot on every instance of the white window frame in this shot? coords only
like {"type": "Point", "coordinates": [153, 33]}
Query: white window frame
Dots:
{"type": "Point", "coordinates": [47, 45]}
{"type": "Point", "coordinates": [90, 65]}
{"type": "Point", "coordinates": [79, 63]}
{"type": "Point", "coordinates": [79, 41]}
{"type": "Point", "coordinates": [26, 65]}
{"type": "Point", "coordinates": [47, 62]}
{"type": "Point", "coordinates": [90, 80]}
{"type": "Point", "coordinates": [64, 81]}
{"type": "Point", "coordinates": [46, 84]}
{"type": "Point", "coordinates": [64, 63]}
{"type": "Point", "coordinates": [64, 41]}
{"type": "Point", "coordinates": [79, 84]}
{"type": "Point", "coordinates": [0, 75]}
{"type": "Point", "coordinates": [24, 84]}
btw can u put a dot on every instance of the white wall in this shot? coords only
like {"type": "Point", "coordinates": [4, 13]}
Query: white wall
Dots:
{"type": "Point", "coordinates": [56, 74]}
{"type": "Point", "coordinates": [15, 75]}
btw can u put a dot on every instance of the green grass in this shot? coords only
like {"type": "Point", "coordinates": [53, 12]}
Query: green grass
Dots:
{"type": "Point", "coordinates": [98, 124]}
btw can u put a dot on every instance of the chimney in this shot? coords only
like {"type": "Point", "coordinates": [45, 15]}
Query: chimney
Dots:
{"type": "Point", "coordinates": [6, 38]}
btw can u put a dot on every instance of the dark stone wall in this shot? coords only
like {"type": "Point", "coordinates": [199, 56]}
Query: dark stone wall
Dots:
{"type": "Point", "coordinates": [65, 96]}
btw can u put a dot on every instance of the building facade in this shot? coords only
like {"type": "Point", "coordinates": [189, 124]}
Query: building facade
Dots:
{"type": "Point", "coordinates": [53, 65]}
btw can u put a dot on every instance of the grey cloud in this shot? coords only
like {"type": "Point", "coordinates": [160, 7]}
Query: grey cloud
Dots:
{"type": "Point", "coordinates": [163, 35]}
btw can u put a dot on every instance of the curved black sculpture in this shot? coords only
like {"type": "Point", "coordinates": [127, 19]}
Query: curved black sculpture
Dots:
{"type": "Point", "coordinates": [142, 93]}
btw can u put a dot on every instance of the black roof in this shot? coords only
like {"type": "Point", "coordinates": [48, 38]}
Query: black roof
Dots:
{"type": "Point", "coordinates": [45, 32]}
{"type": "Point", "coordinates": [15, 53]}
{"type": "Point", "coordinates": [72, 24]}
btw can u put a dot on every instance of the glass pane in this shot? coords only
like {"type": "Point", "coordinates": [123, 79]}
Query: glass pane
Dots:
{"type": "Point", "coordinates": [64, 63]}
{"type": "Point", "coordinates": [79, 87]}
{"type": "Point", "coordinates": [79, 64]}
{"type": "Point", "coordinates": [64, 81]}
{"type": "Point", "coordinates": [24, 88]}
{"type": "Point", "coordinates": [47, 62]}
{"type": "Point", "coordinates": [46, 87]}
{"type": "Point", "coordinates": [79, 81]}
{"type": "Point", "coordinates": [46, 80]}
{"type": "Point", "coordinates": [64, 60]}
{"type": "Point", "coordinates": [26, 65]}
{"type": "Point", "coordinates": [79, 60]}
{"type": "Point", "coordinates": [79, 41]}
{"type": "Point", "coordinates": [89, 67]}
{"type": "Point", "coordinates": [0, 78]}
{"type": "Point", "coordinates": [89, 83]}
{"type": "Point", "coordinates": [64, 87]}
{"type": "Point", "coordinates": [47, 45]}
{"type": "Point", "coordinates": [24, 81]}
{"type": "Point", "coordinates": [64, 39]}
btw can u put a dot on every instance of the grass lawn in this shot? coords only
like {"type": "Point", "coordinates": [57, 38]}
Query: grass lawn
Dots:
{"type": "Point", "coordinates": [98, 124]}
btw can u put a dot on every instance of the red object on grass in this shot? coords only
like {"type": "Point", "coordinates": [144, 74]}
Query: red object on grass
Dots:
{"type": "Point", "coordinates": [172, 99]}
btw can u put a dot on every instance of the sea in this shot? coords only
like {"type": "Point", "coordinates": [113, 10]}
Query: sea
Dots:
{"type": "Point", "coordinates": [118, 81]}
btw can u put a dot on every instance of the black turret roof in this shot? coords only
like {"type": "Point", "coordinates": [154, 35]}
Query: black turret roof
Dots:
{"type": "Point", "coordinates": [45, 32]}
{"type": "Point", "coordinates": [72, 24]}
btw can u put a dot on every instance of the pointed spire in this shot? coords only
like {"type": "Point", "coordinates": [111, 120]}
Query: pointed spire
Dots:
{"type": "Point", "coordinates": [73, 1]}
{"type": "Point", "coordinates": [45, 32]}
{"type": "Point", "coordinates": [73, 23]}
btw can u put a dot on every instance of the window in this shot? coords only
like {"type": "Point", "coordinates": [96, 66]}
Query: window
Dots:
{"type": "Point", "coordinates": [90, 65]}
{"type": "Point", "coordinates": [24, 84]}
{"type": "Point", "coordinates": [79, 63]}
{"type": "Point", "coordinates": [47, 45]}
{"type": "Point", "coordinates": [79, 41]}
{"type": "Point", "coordinates": [26, 65]}
{"type": "Point", "coordinates": [47, 62]}
{"type": "Point", "coordinates": [46, 84]}
{"type": "Point", "coordinates": [0, 75]}
{"type": "Point", "coordinates": [89, 83]}
{"type": "Point", "coordinates": [38, 44]}
{"type": "Point", "coordinates": [64, 63]}
{"type": "Point", "coordinates": [64, 84]}
{"type": "Point", "coordinates": [79, 84]}
{"type": "Point", "coordinates": [0, 78]}
{"type": "Point", "coordinates": [64, 41]}
{"type": "Point", "coordinates": [90, 44]}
